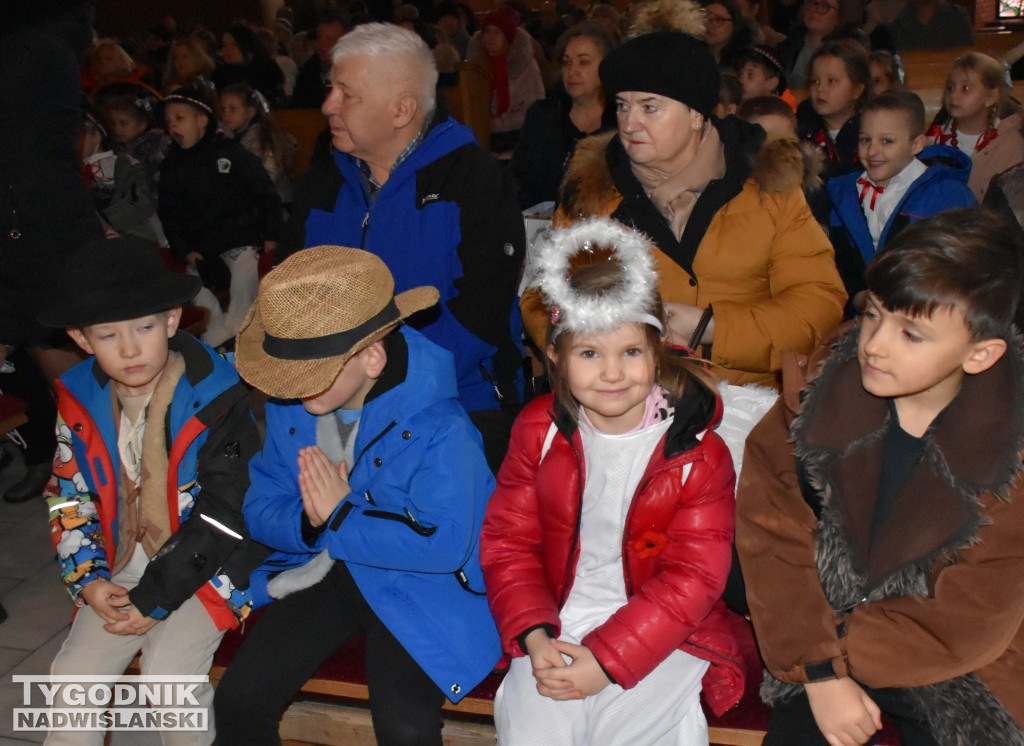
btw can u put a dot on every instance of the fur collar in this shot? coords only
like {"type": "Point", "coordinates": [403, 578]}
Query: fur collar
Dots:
{"type": "Point", "coordinates": [837, 437]}
{"type": "Point", "coordinates": [775, 166]}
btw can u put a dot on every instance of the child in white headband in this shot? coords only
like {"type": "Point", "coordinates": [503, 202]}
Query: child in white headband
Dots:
{"type": "Point", "coordinates": [606, 544]}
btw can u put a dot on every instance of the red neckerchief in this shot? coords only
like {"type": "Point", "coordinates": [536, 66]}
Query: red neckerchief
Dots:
{"type": "Point", "coordinates": [865, 186]}
{"type": "Point", "coordinates": [822, 140]}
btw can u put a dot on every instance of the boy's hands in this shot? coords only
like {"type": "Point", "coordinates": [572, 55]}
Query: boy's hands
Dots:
{"type": "Point", "coordinates": [845, 715]}
{"type": "Point", "coordinates": [111, 602]}
{"type": "Point", "coordinates": [136, 624]}
{"type": "Point", "coordinates": [581, 678]}
{"type": "Point", "coordinates": [322, 484]}
{"type": "Point", "coordinates": [107, 600]}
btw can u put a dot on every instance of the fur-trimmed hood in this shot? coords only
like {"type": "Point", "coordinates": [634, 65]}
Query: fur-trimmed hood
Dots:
{"type": "Point", "coordinates": [775, 165]}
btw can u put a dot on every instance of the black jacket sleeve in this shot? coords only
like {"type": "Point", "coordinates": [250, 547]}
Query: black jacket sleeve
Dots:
{"type": "Point", "coordinates": [199, 550]}
{"type": "Point", "coordinates": [492, 249]}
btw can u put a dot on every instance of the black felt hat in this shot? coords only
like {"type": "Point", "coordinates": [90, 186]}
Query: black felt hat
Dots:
{"type": "Point", "coordinates": [115, 279]}
{"type": "Point", "coordinates": [667, 63]}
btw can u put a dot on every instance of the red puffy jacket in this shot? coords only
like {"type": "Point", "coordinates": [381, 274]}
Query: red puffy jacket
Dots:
{"type": "Point", "coordinates": [676, 548]}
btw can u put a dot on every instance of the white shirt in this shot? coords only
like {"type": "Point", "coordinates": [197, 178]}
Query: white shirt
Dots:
{"type": "Point", "coordinates": [615, 464]}
{"type": "Point", "coordinates": [887, 201]}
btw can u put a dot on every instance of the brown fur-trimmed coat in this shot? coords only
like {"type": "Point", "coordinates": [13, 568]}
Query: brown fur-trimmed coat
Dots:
{"type": "Point", "coordinates": [751, 248]}
{"type": "Point", "coordinates": [934, 604]}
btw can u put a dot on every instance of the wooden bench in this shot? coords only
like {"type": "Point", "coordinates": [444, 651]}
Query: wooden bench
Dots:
{"type": "Point", "coordinates": [305, 125]}
{"type": "Point", "coordinates": [331, 707]}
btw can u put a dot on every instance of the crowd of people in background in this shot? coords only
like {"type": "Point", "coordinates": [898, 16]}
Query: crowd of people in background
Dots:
{"type": "Point", "coordinates": [760, 153]}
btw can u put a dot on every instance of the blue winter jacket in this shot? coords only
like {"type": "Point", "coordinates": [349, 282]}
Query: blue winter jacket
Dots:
{"type": "Point", "coordinates": [210, 438]}
{"type": "Point", "coordinates": [409, 530]}
{"type": "Point", "coordinates": [447, 217]}
{"type": "Point", "coordinates": [942, 187]}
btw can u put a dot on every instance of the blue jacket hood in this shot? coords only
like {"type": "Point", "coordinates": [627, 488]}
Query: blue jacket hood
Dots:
{"type": "Point", "coordinates": [443, 138]}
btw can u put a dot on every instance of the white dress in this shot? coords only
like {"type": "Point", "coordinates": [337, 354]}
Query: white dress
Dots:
{"type": "Point", "coordinates": [664, 708]}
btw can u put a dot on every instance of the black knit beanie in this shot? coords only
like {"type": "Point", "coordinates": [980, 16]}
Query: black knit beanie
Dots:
{"type": "Point", "coordinates": [667, 63]}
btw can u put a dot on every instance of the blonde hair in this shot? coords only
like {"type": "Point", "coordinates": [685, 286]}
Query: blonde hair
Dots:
{"type": "Point", "coordinates": [172, 75]}
{"type": "Point", "coordinates": [992, 74]}
{"type": "Point", "coordinates": [127, 66]}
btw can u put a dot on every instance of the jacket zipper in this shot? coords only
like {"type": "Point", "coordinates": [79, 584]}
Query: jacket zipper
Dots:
{"type": "Point", "coordinates": [716, 654]}
{"type": "Point", "coordinates": [579, 517]}
{"type": "Point", "coordinates": [665, 466]}
{"type": "Point", "coordinates": [366, 227]}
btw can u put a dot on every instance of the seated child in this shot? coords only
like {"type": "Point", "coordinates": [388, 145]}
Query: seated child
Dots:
{"type": "Point", "coordinates": [218, 208]}
{"type": "Point", "coordinates": [837, 84]}
{"type": "Point", "coordinates": [245, 114]}
{"type": "Point", "coordinates": [761, 74]}
{"type": "Point", "coordinates": [883, 560]}
{"type": "Point", "coordinates": [902, 181]}
{"type": "Point", "coordinates": [730, 94]}
{"type": "Point", "coordinates": [607, 542]}
{"type": "Point", "coordinates": [980, 118]}
{"type": "Point", "coordinates": [886, 72]}
{"type": "Point", "coordinates": [154, 440]}
{"type": "Point", "coordinates": [374, 469]}
{"type": "Point", "coordinates": [778, 120]}
{"type": "Point", "coordinates": [139, 149]}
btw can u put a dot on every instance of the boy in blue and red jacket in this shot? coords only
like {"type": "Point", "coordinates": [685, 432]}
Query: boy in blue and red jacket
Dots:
{"type": "Point", "coordinates": [154, 441]}
{"type": "Point", "coordinates": [902, 182]}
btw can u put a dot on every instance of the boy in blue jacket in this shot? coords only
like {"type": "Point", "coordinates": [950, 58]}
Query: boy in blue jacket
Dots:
{"type": "Point", "coordinates": [373, 480]}
{"type": "Point", "coordinates": [154, 438]}
{"type": "Point", "coordinates": [903, 181]}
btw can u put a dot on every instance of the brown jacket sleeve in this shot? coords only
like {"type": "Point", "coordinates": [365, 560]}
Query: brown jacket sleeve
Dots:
{"type": "Point", "coordinates": [794, 623]}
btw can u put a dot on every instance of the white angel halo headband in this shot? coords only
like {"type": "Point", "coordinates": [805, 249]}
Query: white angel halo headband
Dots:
{"type": "Point", "coordinates": [595, 313]}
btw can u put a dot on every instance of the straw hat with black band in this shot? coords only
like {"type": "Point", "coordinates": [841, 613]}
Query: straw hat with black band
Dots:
{"type": "Point", "coordinates": [314, 312]}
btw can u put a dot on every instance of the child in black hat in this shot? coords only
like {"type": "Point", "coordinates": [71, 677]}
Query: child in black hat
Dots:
{"type": "Point", "coordinates": [218, 208]}
{"type": "Point", "coordinates": [146, 521]}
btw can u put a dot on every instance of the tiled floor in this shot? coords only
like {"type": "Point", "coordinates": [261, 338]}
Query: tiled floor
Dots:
{"type": "Point", "coordinates": [38, 608]}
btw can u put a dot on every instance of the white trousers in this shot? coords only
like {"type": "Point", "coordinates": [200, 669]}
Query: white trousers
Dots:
{"type": "Point", "coordinates": [183, 643]}
{"type": "Point", "coordinates": [662, 710]}
{"type": "Point", "coordinates": [243, 263]}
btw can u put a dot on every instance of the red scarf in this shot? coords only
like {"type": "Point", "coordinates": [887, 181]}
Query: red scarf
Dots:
{"type": "Point", "coordinates": [498, 64]}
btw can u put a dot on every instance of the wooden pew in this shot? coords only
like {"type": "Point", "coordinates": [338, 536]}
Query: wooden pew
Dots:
{"type": "Point", "coordinates": [305, 125]}
{"type": "Point", "coordinates": [475, 101]}
{"type": "Point", "coordinates": [331, 707]}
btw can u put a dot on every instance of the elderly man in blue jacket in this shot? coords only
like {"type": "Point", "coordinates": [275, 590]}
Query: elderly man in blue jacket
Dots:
{"type": "Point", "coordinates": [411, 185]}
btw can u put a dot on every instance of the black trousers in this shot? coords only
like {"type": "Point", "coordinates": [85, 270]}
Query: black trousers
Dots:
{"type": "Point", "coordinates": [28, 383]}
{"type": "Point", "coordinates": [792, 722]}
{"type": "Point", "coordinates": [293, 638]}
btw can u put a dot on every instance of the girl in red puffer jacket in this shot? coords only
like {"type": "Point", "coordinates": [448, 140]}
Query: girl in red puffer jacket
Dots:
{"type": "Point", "coordinates": [606, 544]}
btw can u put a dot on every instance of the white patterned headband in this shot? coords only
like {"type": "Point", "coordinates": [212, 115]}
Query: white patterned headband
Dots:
{"type": "Point", "coordinates": [600, 311]}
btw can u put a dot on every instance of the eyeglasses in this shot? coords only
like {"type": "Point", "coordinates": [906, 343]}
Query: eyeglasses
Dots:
{"type": "Point", "coordinates": [820, 6]}
{"type": "Point", "coordinates": [718, 20]}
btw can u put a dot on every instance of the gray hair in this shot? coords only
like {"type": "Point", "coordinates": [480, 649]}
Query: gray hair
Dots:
{"type": "Point", "coordinates": [384, 42]}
